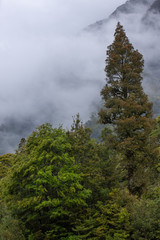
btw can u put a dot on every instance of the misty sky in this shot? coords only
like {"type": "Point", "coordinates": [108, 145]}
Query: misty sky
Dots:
{"type": "Point", "coordinates": [54, 15]}
{"type": "Point", "coordinates": [50, 69]}
{"type": "Point", "coordinates": [42, 58]}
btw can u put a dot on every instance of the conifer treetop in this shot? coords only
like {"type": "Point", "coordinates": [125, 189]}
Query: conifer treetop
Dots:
{"type": "Point", "coordinates": [126, 106]}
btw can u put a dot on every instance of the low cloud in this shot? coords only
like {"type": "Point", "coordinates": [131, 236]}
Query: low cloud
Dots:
{"type": "Point", "coordinates": [51, 69]}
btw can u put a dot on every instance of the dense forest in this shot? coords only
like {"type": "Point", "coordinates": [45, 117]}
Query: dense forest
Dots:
{"type": "Point", "coordinates": [67, 185]}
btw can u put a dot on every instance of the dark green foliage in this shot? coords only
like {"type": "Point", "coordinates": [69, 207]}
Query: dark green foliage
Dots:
{"type": "Point", "coordinates": [98, 165]}
{"type": "Point", "coordinates": [9, 226]}
{"type": "Point", "coordinates": [144, 214]}
{"type": "Point", "coordinates": [156, 131]}
{"type": "Point", "coordinates": [107, 220]}
{"type": "Point", "coordinates": [145, 219]}
{"type": "Point", "coordinates": [96, 162]}
{"type": "Point", "coordinates": [86, 152]}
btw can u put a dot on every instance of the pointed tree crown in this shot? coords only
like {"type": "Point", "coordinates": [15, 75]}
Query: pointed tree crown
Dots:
{"type": "Point", "coordinates": [126, 106]}
{"type": "Point", "coordinates": [124, 68]}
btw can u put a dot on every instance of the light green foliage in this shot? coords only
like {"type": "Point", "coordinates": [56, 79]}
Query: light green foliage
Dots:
{"type": "Point", "coordinates": [108, 220]}
{"type": "Point", "coordinates": [113, 220]}
{"type": "Point", "coordinates": [6, 162]}
{"type": "Point", "coordinates": [44, 187]}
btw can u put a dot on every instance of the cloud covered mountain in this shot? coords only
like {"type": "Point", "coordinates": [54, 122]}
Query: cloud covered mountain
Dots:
{"type": "Point", "coordinates": [152, 16]}
{"type": "Point", "coordinates": [127, 9]}
{"type": "Point", "coordinates": [155, 7]}
{"type": "Point", "coordinates": [48, 77]}
{"type": "Point", "coordinates": [141, 20]}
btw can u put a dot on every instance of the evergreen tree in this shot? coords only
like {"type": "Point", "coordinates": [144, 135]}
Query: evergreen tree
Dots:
{"type": "Point", "coordinates": [43, 189]}
{"type": "Point", "coordinates": [95, 161]}
{"type": "Point", "coordinates": [126, 106]}
{"type": "Point", "coordinates": [86, 152]}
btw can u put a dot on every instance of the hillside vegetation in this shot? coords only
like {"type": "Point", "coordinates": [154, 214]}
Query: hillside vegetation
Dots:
{"type": "Point", "coordinates": [64, 185]}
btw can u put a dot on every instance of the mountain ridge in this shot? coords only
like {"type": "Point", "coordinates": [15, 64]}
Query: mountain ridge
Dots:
{"type": "Point", "coordinates": [149, 19]}
{"type": "Point", "coordinates": [141, 20]}
{"type": "Point", "coordinates": [129, 7]}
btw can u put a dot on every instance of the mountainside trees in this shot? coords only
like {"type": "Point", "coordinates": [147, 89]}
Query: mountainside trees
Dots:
{"type": "Point", "coordinates": [6, 162]}
{"type": "Point", "coordinates": [65, 185]}
{"type": "Point", "coordinates": [44, 187]}
{"type": "Point", "coordinates": [128, 109]}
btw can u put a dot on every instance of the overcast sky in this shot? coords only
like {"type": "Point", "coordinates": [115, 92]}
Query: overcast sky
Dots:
{"type": "Point", "coordinates": [61, 15]}
{"type": "Point", "coordinates": [49, 70]}
{"type": "Point", "coordinates": [36, 37]}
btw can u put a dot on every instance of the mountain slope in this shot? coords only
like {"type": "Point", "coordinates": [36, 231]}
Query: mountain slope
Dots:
{"type": "Point", "coordinates": [152, 16]}
{"type": "Point", "coordinates": [155, 7]}
{"type": "Point", "coordinates": [128, 8]}
{"type": "Point", "coordinates": [141, 20]}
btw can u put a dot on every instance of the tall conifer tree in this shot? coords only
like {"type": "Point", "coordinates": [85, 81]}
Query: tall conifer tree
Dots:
{"type": "Point", "coordinates": [126, 106]}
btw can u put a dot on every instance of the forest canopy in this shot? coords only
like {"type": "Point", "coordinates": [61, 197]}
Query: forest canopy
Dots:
{"type": "Point", "coordinates": [65, 185]}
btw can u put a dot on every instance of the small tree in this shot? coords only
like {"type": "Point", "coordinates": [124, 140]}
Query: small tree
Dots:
{"type": "Point", "coordinates": [126, 106]}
